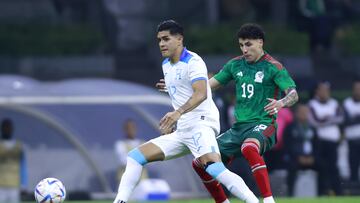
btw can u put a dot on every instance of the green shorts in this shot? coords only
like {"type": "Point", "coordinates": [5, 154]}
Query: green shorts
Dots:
{"type": "Point", "coordinates": [230, 141]}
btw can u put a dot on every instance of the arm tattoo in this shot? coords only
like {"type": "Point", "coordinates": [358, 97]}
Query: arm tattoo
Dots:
{"type": "Point", "coordinates": [291, 97]}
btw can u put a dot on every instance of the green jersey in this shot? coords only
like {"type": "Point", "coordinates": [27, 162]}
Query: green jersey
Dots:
{"type": "Point", "coordinates": [255, 82]}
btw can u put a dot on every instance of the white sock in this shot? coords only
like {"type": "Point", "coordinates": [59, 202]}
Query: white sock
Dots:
{"type": "Point", "coordinates": [269, 199]}
{"type": "Point", "coordinates": [236, 185]}
{"type": "Point", "coordinates": [129, 180]}
{"type": "Point", "coordinates": [226, 201]}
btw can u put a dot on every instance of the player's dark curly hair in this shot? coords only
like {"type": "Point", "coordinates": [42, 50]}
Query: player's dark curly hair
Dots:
{"type": "Point", "coordinates": [172, 26]}
{"type": "Point", "coordinates": [251, 31]}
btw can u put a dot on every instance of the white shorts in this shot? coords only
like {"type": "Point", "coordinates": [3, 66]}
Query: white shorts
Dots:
{"type": "Point", "coordinates": [198, 140]}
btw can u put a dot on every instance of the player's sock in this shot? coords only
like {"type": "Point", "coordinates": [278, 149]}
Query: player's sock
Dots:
{"type": "Point", "coordinates": [250, 151]}
{"type": "Point", "coordinates": [269, 199]}
{"type": "Point", "coordinates": [234, 183]}
{"type": "Point", "coordinates": [212, 185]}
{"type": "Point", "coordinates": [131, 176]}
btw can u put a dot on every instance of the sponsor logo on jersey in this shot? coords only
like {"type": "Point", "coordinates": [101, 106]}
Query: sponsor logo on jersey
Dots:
{"type": "Point", "coordinates": [259, 76]}
{"type": "Point", "coordinates": [239, 74]}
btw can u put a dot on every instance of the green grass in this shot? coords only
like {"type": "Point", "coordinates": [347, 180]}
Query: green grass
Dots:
{"type": "Point", "coordinates": [278, 200]}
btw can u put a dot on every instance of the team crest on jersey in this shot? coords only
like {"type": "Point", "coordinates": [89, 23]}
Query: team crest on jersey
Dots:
{"type": "Point", "coordinates": [259, 76]}
{"type": "Point", "coordinates": [239, 74]}
{"type": "Point", "coordinates": [178, 74]}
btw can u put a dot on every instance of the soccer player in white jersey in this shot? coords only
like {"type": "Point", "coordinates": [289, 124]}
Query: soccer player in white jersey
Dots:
{"type": "Point", "coordinates": [196, 115]}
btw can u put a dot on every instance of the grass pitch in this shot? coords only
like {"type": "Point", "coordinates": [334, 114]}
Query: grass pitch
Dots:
{"type": "Point", "coordinates": [278, 200]}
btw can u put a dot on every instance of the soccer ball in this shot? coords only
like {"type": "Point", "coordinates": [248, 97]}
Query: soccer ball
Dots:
{"type": "Point", "coordinates": [50, 190]}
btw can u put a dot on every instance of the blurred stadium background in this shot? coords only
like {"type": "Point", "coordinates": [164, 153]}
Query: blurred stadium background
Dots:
{"type": "Point", "coordinates": [72, 71]}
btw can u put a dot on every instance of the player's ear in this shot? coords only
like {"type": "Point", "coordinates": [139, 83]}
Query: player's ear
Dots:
{"type": "Point", "coordinates": [180, 38]}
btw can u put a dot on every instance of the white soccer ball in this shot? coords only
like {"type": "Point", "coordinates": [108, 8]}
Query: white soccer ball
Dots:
{"type": "Point", "coordinates": [50, 190]}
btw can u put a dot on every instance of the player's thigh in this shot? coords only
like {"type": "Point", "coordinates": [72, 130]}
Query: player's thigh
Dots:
{"type": "Point", "coordinates": [230, 144]}
{"type": "Point", "coordinates": [265, 134]}
{"type": "Point", "coordinates": [171, 145]}
{"type": "Point", "coordinates": [151, 152]}
{"type": "Point", "coordinates": [201, 140]}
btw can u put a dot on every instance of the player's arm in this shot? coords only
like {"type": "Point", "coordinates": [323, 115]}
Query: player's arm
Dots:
{"type": "Point", "coordinates": [290, 99]}
{"type": "Point", "coordinates": [198, 96]}
{"type": "Point", "coordinates": [161, 86]}
{"type": "Point", "coordinates": [214, 84]}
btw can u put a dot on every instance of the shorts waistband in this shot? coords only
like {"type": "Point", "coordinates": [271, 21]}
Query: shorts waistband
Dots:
{"type": "Point", "coordinates": [204, 118]}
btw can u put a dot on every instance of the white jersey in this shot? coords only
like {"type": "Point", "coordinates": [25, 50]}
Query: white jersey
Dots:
{"type": "Point", "coordinates": [179, 78]}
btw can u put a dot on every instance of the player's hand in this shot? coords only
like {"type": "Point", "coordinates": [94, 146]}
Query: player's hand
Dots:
{"type": "Point", "coordinates": [167, 131]}
{"type": "Point", "coordinates": [274, 106]}
{"type": "Point", "coordinates": [169, 120]}
{"type": "Point", "coordinates": [161, 85]}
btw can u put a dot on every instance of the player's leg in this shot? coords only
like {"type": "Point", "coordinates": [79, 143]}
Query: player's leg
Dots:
{"type": "Point", "coordinates": [252, 148]}
{"type": "Point", "coordinates": [158, 149]}
{"type": "Point", "coordinates": [136, 159]}
{"type": "Point", "coordinates": [211, 184]}
{"type": "Point", "coordinates": [234, 183]}
{"type": "Point", "coordinates": [203, 145]}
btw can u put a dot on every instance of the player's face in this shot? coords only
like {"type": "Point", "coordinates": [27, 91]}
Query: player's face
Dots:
{"type": "Point", "coordinates": [252, 49]}
{"type": "Point", "coordinates": [169, 44]}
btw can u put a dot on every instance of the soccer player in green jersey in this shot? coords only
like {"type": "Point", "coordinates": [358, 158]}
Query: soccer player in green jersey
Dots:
{"type": "Point", "coordinates": [259, 80]}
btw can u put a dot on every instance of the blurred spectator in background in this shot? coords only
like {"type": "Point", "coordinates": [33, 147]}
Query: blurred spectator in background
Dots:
{"type": "Point", "coordinates": [11, 156]}
{"type": "Point", "coordinates": [326, 116]}
{"type": "Point", "coordinates": [352, 129]}
{"type": "Point", "coordinates": [300, 146]}
{"type": "Point", "coordinates": [319, 23]}
{"type": "Point", "coordinates": [123, 146]}
{"type": "Point", "coordinates": [274, 157]}
{"type": "Point", "coordinates": [322, 18]}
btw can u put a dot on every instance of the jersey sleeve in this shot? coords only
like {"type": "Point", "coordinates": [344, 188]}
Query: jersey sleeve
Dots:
{"type": "Point", "coordinates": [197, 70]}
{"type": "Point", "coordinates": [283, 79]}
{"type": "Point", "coordinates": [224, 75]}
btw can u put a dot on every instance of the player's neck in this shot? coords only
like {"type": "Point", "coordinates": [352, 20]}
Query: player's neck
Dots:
{"type": "Point", "coordinates": [176, 57]}
{"type": "Point", "coordinates": [260, 56]}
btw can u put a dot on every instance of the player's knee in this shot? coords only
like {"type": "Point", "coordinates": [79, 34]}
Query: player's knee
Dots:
{"type": "Point", "coordinates": [214, 168]}
{"type": "Point", "coordinates": [249, 149]}
{"type": "Point", "coordinates": [138, 156]}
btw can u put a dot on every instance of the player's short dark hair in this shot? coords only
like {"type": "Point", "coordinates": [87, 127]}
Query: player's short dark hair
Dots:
{"type": "Point", "coordinates": [251, 31]}
{"type": "Point", "coordinates": [172, 26]}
